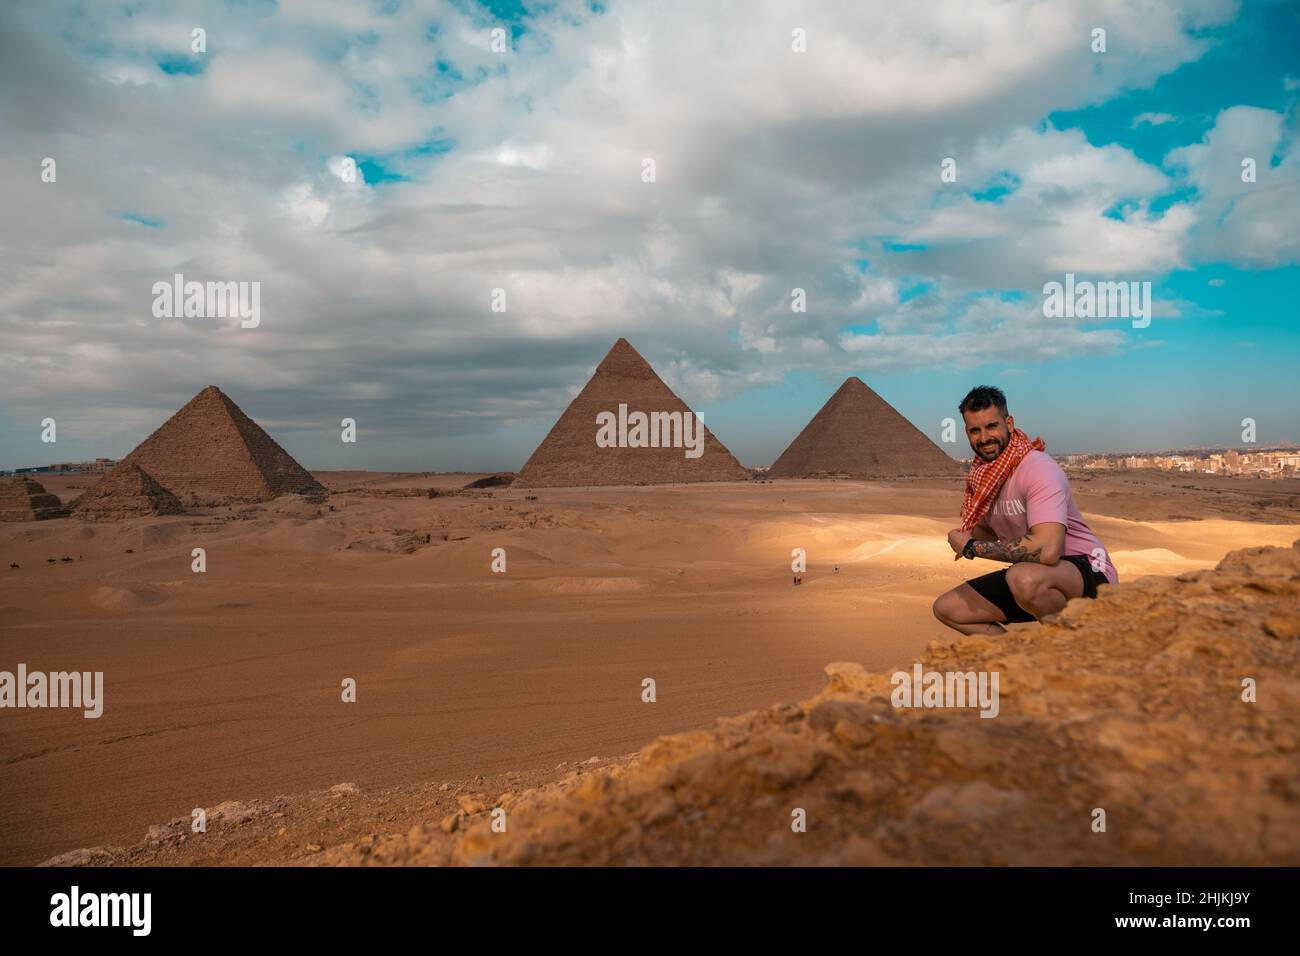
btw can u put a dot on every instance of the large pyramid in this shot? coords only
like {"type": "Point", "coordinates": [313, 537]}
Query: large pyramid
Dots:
{"type": "Point", "coordinates": [22, 499]}
{"type": "Point", "coordinates": [857, 434]}
{"type": "Point", "coordinates": [570, 455]}
{"type": "Point", "coordinates": [126, 491]}
{"type": "Point", "coordinates": [211, 451]}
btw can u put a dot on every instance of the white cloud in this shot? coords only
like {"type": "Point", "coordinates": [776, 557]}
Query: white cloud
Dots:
{"type": "Point", "coordinates": [303, 207]}
{"type": "Point", "coordinates": [347, 171]}
{"type": "Point", "coordinates": [1246, 223]}
{"type": "Point", "coordinates": [776, 170]}
{"type": "Point", "coordinates": [1152, 119]}
{"type": "Point", "coordinates": [535, 156]}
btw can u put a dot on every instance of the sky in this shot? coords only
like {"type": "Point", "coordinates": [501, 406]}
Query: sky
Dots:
{"type": "Point", "coordinates": [795, 147]}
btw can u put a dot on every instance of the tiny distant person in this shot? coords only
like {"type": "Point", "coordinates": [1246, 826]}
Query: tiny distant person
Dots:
{"type": "Point", "coordinates": [1017, 509]}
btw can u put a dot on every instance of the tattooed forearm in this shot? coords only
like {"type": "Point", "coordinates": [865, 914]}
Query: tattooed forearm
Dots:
{"type": "Point", "coordinates": [1013, 552]}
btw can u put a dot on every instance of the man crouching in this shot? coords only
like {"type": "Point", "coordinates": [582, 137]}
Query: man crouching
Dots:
{"type": "Point", "coordinates": [1017, 509]}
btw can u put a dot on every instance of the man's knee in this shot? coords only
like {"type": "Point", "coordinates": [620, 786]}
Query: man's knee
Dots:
{"type": "Point", "coordinates": [945, 606]}
{"type": "Point", "coordinates": [1025, 583]}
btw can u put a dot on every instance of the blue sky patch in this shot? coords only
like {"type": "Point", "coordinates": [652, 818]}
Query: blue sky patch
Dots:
{"type": "Point", "coordinates": [179, 65]}
{"type": "Point", "coordinates": [142, 220]}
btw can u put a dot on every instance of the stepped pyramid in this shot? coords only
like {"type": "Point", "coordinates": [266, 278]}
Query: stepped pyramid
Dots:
{"type": "Point", "coordinates": [211, 451]}
{"type": "Point", "coordinates": [22, 499]}
{"type": "Point", "coordinates": [857, 434]}
{"type": "Point", "coordinates": [569, 455]}
{"type": "Point", "coordinates": [125, 492]}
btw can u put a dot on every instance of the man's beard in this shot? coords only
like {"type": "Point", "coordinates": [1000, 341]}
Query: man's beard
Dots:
{"type": "Point", "coordinates": [988, 453]}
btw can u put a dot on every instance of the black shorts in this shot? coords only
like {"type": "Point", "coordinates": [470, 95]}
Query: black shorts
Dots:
{"type": "Point", "coordinates": [994, 589]}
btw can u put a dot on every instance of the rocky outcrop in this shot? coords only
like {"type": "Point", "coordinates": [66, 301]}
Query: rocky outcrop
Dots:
{"type": "Point", "coordinates": [499, 480]}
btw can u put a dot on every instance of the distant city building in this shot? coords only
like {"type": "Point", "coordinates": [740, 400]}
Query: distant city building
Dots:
{"type": "Point", "coordinates": [98, 466]}
{"type": "Point", "coordinates": [1278, 463]}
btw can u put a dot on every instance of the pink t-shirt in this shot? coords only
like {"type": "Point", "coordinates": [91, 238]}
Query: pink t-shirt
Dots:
{"type": "Point", "coordinates": [1038, 491]}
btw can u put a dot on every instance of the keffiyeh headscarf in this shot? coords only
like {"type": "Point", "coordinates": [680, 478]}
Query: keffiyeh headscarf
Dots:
{"type": "Point", "coordinates": [986, 478]}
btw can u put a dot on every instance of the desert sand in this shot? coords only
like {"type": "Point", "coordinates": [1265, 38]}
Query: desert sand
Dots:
{"type": "Point", "coordinates": [223, 688]}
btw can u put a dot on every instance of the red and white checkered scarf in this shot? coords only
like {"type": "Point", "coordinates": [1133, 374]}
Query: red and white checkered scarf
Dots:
{"type": "Point", "coordinates": [986, 478]}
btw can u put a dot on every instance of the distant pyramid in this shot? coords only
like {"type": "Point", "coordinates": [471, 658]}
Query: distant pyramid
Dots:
{"type": "Point", "coordinates": [210, 450]}
{"type": "Point", "coordinates": [126, 492]}
{"type": "Point", "coordinates": [569, 455]}
{"type": "Point", "coordinates": [857, 434]}
{"type": "Point", "coordinates": [22, 499]}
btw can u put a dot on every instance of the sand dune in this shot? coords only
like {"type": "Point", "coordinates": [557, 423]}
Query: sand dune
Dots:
{"type": "Point", "coordinates": [123, 599]}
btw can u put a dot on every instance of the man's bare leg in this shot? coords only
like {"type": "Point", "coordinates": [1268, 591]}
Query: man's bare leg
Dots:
{"type": "Point", "coordinates": [962, 609]}
{"type": "Point", "coordinates": [1044, 589]}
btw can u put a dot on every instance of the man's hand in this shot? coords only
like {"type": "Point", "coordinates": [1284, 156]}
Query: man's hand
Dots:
{"type": "Point", "coordinates": [957, 539]}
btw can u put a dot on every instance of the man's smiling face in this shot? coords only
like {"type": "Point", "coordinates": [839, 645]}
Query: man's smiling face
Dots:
{"type": "Point", "coordinates": [988, 431]}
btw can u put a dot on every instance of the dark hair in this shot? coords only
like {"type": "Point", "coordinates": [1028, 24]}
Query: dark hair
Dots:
{"type": "Point", "coordinates": [981, 397]}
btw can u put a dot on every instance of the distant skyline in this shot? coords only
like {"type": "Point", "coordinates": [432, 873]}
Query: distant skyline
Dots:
{"type": "Point", "coordinates": [523, 170]}
{"type": "Point", "coordinates": [959, 450]}
{"type": "Point", "coordinates": [1244, 449]}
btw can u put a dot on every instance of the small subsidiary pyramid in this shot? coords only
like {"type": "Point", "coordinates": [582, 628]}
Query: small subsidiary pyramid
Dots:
{"type": "Point", "coordinates": [127, 491]}
{"type": "Point", "coordinates": [857, 434]}
{"type": "Point", "coordinates": [22, 499]}
{"type": "Point", "coordinates": [210, 451]}
{"type": "Point", "coordinates": [570, 456]}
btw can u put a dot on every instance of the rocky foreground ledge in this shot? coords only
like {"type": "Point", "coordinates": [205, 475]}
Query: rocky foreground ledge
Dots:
{"type": "Point", "coordinates": [1131, 704]}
